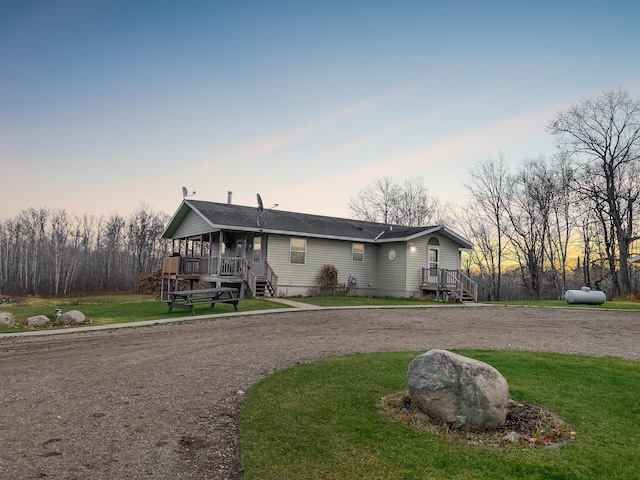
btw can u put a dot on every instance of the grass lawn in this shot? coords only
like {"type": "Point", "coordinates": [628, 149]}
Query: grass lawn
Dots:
{"type": "Point", "coordinates": [411, 301]}
{"type": "Point", "coordinates": [124, 308]}
{"type": "Point", "coordinates": [121, 308]}
{"type": "Point", "coordinates": [366, 301]}
{"type": "Point", "coordinates": [319, 421]}
{"type": "Point", "coordinates": [613, 304]}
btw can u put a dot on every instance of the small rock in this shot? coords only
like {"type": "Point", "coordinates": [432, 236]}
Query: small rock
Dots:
{"type": "Point", "coordinates": [7, 320]}
{"type": "Point", "coordinates": [512, 437]}
{"type": "Point", "coordinates": [37, 321]}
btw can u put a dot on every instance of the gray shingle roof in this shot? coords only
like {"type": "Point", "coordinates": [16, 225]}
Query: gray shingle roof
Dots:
{"type": "Point", "coordinates": [237, 217]}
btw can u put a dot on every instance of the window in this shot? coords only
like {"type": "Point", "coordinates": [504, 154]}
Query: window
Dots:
{"type": "Point", "coordinates": [357, 252]}
{"type": "Point", "coordinates": [257, 249]}
{"type": "Point", "coordinates": [298, 252]}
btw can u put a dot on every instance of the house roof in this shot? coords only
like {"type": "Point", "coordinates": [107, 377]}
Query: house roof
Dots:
{"type": "Point", "coordinates": [224, 216]}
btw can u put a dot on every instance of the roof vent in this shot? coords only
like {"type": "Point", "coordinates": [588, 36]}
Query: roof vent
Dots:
{"type": "Point", "coordinates": [229, 195]}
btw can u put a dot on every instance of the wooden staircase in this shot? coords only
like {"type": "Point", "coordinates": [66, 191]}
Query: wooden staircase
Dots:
{"type": "Point", "coordinates": [449, 285]}
{"type": "Point", "coordinates": [263, 285]}
{"type": "Point", "coordinates": [452, 296]}
{"type": "Point", "coordinates": [264, 288]}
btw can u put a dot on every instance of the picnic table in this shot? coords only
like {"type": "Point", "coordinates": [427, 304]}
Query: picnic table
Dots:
{"type": "Point", "coordinates": [188, 298]}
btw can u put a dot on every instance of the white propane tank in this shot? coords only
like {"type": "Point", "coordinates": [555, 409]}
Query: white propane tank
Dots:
{"type": "Point", "coordinates": [585, 295]}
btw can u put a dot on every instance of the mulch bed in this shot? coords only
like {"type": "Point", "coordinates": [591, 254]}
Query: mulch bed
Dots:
{"type": "Point", "coordinates": [529, 426]}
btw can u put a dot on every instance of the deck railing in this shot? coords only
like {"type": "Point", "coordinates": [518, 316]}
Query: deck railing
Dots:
{"type": "Point", "coordinates": [237, 267]}
{"type": "Point", "coordinates": [191, 266]}
{"type": "Point", "coordinates": [271, 277]}
{"type": "Point", "coordinates": [469, 285]}
{"type": "Point", "coordinates": [225, 266]}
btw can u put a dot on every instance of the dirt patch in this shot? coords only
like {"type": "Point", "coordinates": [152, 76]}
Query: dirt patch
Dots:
{"type": "Point", "coordinates": [163, 402]}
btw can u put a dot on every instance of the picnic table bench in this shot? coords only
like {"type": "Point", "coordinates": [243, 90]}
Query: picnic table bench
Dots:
{"type": "Point", "coordinates": [188, 298]}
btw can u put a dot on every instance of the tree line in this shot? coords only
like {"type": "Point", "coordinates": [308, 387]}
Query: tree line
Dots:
{"type": "Point", "coordinates": [52, 253]}
{"type": "Point", "coordinates": [549, 223]}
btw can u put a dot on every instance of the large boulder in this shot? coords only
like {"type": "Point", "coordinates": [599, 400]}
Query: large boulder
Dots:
{"type": "Point", "coordinates": [37, 321]}
{"type": "Point", "coordinates": [459, 390]}
{"type": "Point", "coordinates": [7, 320]}
{"type": "Point", "coordinates": [72, 317]}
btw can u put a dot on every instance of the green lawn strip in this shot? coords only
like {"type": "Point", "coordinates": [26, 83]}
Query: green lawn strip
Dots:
{"type": "Point", "coordinates": [112, 309]}
{"type": "Point", "coordinates": [410, 301]}
{"type": "Point", "coordinates": [365, 301]}
{"type": "Point", "coordinates": [612, 305]}
{"type": "Point", "coordinates": [319, 421]}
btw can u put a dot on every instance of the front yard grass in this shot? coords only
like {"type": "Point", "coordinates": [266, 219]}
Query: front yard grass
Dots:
{"type": "Point", "coordinates": [609, 304]}
{"type": "Point", "coordinates": [339, 301]}
{"type": "Point", "coordinates": [120, 308]}
{"type": "Point", "coordinates": [124, 308]}
{"type": "Point", "coordinates": [319, 421]}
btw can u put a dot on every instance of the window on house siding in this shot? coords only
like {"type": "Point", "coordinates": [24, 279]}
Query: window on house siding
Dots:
{"type": "Point", "coordinates": [357, 252]}
{"type": "Point", "coordinates": [257, 249]}
{"type": "Point", "coordinates": [298, 250]}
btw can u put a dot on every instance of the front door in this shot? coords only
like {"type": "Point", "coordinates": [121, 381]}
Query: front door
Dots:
{"type": "Point", "coordinates": [433, 263]}
{"type": "Point", "coordinates": [256, 257]}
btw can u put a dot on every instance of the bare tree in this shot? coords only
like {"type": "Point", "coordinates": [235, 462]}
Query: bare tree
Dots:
{"type": "Point", "coordinates": [487, 186]}
{"type": "Point", "coordinates": [5, 254]}
{"type": "Point", "coordinates": [388, 202]}
{"type": "Point", "coordinates": [58, 239]}
{"type": "Point", "coordinates": [562, 215]}
{"type": "Point", "coordinates": [32, 224]}
{"type": "Point", "coordinates": [143, 231]}
{"type": "Point", "coordinates": [528, 210]}
{"type": "Point", "coordinates": [376, 202]}
{"type": "Point", "coordinates": [602, 136]}
{"type": "Point", "coordinates": [485, 254]}
{"type": "Point", "coordinates": [114, 244]}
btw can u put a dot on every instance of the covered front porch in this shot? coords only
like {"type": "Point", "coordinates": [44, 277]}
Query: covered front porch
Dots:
{"type": "Point", "coordinates": [219, 259]}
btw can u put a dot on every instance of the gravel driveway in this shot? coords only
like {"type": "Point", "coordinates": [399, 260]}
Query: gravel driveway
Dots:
{"type": "Point", "coordinates": [162, 402]}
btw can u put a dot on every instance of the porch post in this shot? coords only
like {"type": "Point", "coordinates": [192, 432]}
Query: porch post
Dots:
{"type": "Point", "coordinates": [210, 253]}
{"type": "Point", "coordinates": [220, 252]}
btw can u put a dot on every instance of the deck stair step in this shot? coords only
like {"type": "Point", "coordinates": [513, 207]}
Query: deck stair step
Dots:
{"type": "Point", "coordinates": [264, 288]}
{"type": "Point", "coordinates": [452, 296]}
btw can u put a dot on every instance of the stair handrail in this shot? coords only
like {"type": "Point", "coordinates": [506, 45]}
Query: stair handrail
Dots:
{"type": "Point", "coordinates": [469, 285]}
{"type": "Point", "coordinates": [251, 281]}
{"type": "Point", "coordinates": [452, 281]}
{"type": "Point", "coordinates": [271, 277]}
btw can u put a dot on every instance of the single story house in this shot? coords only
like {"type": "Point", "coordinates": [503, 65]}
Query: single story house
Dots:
{"type": "Point", "coordinates": [280, 253]}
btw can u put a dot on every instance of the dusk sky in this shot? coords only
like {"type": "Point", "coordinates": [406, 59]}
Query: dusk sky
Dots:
{"type": "Point", "coordinates": [107, 105]}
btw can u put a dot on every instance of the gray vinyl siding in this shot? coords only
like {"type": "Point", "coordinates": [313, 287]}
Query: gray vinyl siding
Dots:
{"type": "Point", "coordinates": [449, 254]}
{"type": "Point", "coordinates": [416, 261]}
{"type": "Point", "coordinates": [193, 224]}
{"type": "Point", "coordinates": [392, 273]}
{"type": "Point", "coordinates": [299, 278]}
